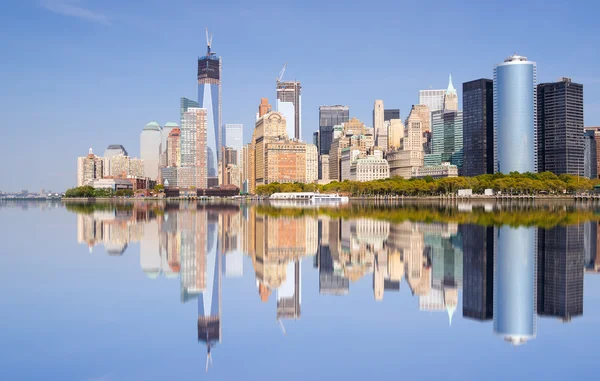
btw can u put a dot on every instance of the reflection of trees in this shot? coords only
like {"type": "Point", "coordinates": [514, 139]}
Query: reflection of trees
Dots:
{"type": "Point", "coordinates": [545, 216]}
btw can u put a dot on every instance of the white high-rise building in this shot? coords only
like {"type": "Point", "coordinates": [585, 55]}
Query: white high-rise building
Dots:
{"type": "Point", "coordinates": [233, 136]}
{"type": "Point", "coordinates": [150, 149]}
{"type": "Point", "coordinates": [289, 103]}
{"type": "Point", "coordinates": [378, 125]}
{"type": "Point", "coordinates": [434, 99]}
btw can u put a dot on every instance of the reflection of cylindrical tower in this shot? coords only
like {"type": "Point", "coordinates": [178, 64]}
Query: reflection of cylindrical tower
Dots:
{"type": "Point", "coordinates": [515, 115]}
{"type": "Point", "coordinates": [514, 284]}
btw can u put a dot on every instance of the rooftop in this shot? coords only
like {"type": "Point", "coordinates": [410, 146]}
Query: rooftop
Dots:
{"type": "Point", "coordinates": [171, 124]}
{"type": "Point", "coordinates": [152, 126]}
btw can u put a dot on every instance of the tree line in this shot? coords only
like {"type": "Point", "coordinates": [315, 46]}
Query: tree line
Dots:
{"type": "Point", "coordinates": [513, 183]}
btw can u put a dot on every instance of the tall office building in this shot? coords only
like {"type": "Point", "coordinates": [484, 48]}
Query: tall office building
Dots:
{"type": "Point", "coordinates": [433, 99]}
{"type": "Point", "coordinates": [264, 107]}
{"type": "Point", "coordinates": [378, 123]}
{"type": "Point", "coordinates": [167, 128]}
{"type": "Point", "coordinates": [209, 98]}
{"type": "Point", "coordinates": [289, 104]}
{"type": "Point", "coordinates": [193, 148]}
{"type": "Point", "coordinates": [289, 294]}
{"type": "Point", "coordinates": [590, 155]}
{"type": "Point", "coordinates": [515, 116]}
{"type": "Point", "coordinates": [560, 268]}
{"type": "Point", "coordinates": [330, 116]}
{"type": "Point", "coordinates": [478, 271]}
{"type": "Point", "coordinates": [173, 148]}
{"type": "Point", "coordinates": [233, 136]}
{"type": "Point", "coordinates": [596, 132]}
{"type": "Point", "coordinates": [115, 150]}
{"type": "Point", "coordinates": [478, 127]}
{"type": "Point", "coordinates": [391, 113]}
{"type": "Point", "coordinates": [184, 105]}
{"type": "Point", "coordinates": [560, 145]}
{"type": "Point", "coordinates": [447, 138]}
{"type": "Point", "coordinates": [515, 284]}
{"type": "Point", "coordinates": [151, 148]}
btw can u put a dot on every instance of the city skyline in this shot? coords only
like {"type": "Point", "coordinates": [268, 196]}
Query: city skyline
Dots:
{"type": "Point", "coordinates": [157, 87]}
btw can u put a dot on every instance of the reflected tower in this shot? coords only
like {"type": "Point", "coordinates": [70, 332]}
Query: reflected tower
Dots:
{"type": "Point", "coordinates": [209, 301]}
{"type": "Point", "coordinates": [515, 284]}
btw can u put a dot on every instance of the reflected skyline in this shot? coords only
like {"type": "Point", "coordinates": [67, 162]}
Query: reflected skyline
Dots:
{"type": "Point", "coordinates": [510, 275]}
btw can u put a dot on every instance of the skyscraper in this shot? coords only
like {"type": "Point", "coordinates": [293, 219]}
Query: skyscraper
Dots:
{"type": "Point", "coordinates": [209, 98]}
{"type": "Point", "coordinates": [89, 168]}
{"type": "Point", "coordinates": [184, 105]}
{"type": "Point", "coordinates": [391, 113]}
{"type": "Point", "coordinates": [451, 97]}
{"type": "Point", "coordinates": [515, 117]}
{"type": "Point", "coordinates": [590, 155]}
{"type": "Point", "coordinates": [560, 267]}
{"type": "Point", "coordinates": [447, 138]}
{"type": "Point", "coordinates": [193, 147]}
{"type": "Point", "coordinates": [289, 104]}
{"type": "Point", "coordinates": [378, 123]}
{"type": "Point", "coordinates": [151, 148]}
{"type": "Point", "coordinates": [515, 284]}
{"type": "Point", "coordinates": [560, 145]}
{"type": "Point", "coordinates": [173, 148]}
{"type": "Point", "coordinates": [330, 116]}
{"type": "Point", "coordinates": [115, 150]}
{"type": "Point", "coordinates": [478, 127]}
{"type": "Point", "coordinates": [264, 107]}
{"type": "Point", "coordinates": [433, 99]}
{"type": "Point", "coordinates": [596, 132]}
{"type": "Point", "coordinates": [233, 135]}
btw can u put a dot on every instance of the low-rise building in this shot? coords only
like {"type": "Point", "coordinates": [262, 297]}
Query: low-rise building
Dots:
{"type": "Point", "coordinates": [369, 168]}
{"type": "Point", "coordinates": [113, 184]}
{"type": "Point", "coordinates": [436, 171]}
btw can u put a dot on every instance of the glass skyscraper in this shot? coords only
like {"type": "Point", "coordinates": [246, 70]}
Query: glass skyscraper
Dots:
{"type": "Point", "coordinates": [515, 117]}
{"type": "Point", "coordinates": [478, 127]}
{"type": "Point", "coordinates": [330, 116]}
{"type": "Point", "coordinates": [447, 138]}
{"type": "Point", "coordinates": [391, 113]}
{"type": "Point", "coordinates": [233, 136]}
{"type": "Point", "coordinates": [209, 98]}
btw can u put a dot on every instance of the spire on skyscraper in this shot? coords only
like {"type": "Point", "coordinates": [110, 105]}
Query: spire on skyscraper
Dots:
{"type": "Point", "coordinates": [451, 89]}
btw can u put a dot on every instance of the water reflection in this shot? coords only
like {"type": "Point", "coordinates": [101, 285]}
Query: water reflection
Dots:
{"type": "Point", "coordinates": [510, 274]}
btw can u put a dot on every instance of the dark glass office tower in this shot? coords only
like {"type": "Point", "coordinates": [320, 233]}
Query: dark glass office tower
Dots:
{"type": "Point", "coordinates": [478, 127]}
{"type": "Point", "coordinates": [478, 271]}
{"type": "Point", "coordinates": [560, 268]}
{"type": "Point", "coordinates": [560, 141]}
{"type": "Point", "coordinates": [590, 155]}
{"type": "Point", "coordinates": [330, 116]}
{"type": "Point", "coordinates": [391, 113]}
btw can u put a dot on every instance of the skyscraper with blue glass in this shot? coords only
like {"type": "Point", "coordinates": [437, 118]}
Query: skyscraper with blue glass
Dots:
{"type": "Point", "coordinates": [209, 98]}
{"type": "Point", "coordinates": [515, 119]}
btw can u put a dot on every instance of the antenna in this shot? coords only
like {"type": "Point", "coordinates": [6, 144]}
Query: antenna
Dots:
{"type": "Point", "coordinates": [282, 327]}
{"type": "Point", "coordinates": [281, 73]}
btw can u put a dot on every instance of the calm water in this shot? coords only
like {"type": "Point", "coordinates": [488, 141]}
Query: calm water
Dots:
{"type": "Point", "coordinates": [192, 292]}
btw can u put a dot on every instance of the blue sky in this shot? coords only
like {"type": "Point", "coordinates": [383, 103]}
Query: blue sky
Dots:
{"type": "Point", "coordinates": [86, 73]}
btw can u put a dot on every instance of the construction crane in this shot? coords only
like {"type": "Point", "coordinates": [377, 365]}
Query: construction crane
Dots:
{"type": "Point", "coordinates": [280, 76]}
{"type": "Point", "coordinates": [208, 40]}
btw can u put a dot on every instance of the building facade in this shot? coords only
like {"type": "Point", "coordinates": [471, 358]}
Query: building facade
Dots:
{"type": "Point", "coordinates": [447, 138]}
{"type": "Point", "coordinates": [478, 127]}
{"type": "Point", "coordinates": [433, 99]}
{"type": "Point", "coordinates": [560, 141]}
{"type": "Point", "coordinates": [369, 168]}
{"type": "Point", "coordinates": [233, 135]}
{"type": "Point", "coordinates": [515, 116]}
{"type": "Point", "coordinates": [312, 163]}
{"type": "Point", "coordinates": [184, 105]}
{"type": "Point", "coordinates": [402, 163]}
{"type": "Point", "coordinates": [330, 116]}
{"type": "Point", "coordinates": [173, 148]}
{"type": "Point", "coordinates": [151, 148]}
{"type": "Point", "coordinates": [193, 148]}
{"type": "Point", "coordinates": [445, 169]}
{"type": "Point", "coordinates": [378, 124]}
{"type": "Point", "coordinates": [209, 99]}
{"type": "Point", "coordinates": [89, 168]}
{"type": "Point", "coordinates": [289, 104]}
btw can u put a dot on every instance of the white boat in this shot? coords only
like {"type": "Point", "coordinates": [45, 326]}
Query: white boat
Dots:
{"type": "Point", "coordinates": [310, 197]}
